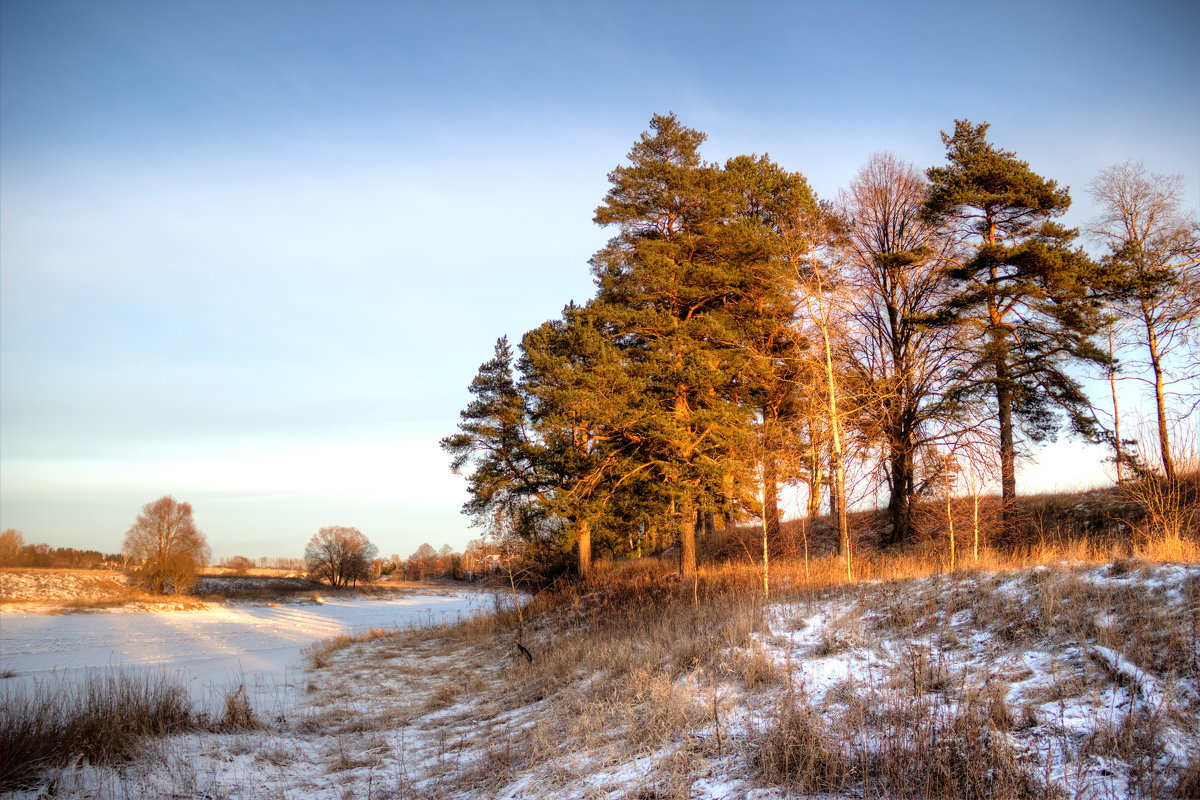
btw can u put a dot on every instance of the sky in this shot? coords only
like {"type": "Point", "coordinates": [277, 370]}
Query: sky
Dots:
{"type": "Point", "coordinates": [252, 253]}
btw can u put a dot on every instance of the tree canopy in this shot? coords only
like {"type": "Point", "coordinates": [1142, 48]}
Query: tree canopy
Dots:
{"type": "Point", "coordinates": [164, 548]}
{"type": "Point", "coordinates": [744, 334]}
{"type": "Point", "coordinates": [339, 556]}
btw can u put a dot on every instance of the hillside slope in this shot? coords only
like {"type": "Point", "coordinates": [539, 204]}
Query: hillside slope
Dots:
{"type": "Point", "coordinates": [1062, 681]}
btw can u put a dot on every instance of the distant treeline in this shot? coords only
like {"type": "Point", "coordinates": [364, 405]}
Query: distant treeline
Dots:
{"type": "Point", "coordinates": [15, 553]}
{"type": "Point", "coordinates": [264, 562]}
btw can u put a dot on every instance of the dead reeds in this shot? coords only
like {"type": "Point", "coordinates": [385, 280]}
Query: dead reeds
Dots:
{"type": "Point", "coordinates": [102, 720]}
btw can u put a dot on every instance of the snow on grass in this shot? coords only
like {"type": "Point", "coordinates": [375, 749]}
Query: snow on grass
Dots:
{"type": "Point", "coordinates": [1053, 682]}
{"type": "Point", "coordinates": [212, 650]}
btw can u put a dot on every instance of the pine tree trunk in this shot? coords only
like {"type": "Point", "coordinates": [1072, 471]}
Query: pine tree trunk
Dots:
{"type": "Point", "coordinates": [771, 496]}
{"type": "Point", "coordinates": [728, 516]}
{"type": "Point", "coordinates": [1008, 471]}
{"type": "Point", "coordinates": [766, 556]}
{"type": "Point", "coordinates": [687, 541]}
{"type": "Point", "coordinates": [583, 539]}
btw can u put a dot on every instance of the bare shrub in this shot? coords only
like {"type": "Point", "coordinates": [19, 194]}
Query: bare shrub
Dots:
{"type": "Point", "coordinates": [239, 565]}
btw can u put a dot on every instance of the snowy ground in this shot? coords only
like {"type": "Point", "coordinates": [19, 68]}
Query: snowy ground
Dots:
{"type": "Point", "coordinates": [1066, 682]}
{"type": "Point", "coordinates": [212, 649]}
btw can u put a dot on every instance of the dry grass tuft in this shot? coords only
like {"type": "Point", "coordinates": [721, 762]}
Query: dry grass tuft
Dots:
{"type": "Point", "coordinates": [102, 721]}
{"type": "Point", "coordinates": [317, 655]}
{"type": "Point", "coordinates": [795, 748]}
{"type": "Point", "coordinates": [238, 715]}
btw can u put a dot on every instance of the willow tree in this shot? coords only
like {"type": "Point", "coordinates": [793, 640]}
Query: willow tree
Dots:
{"type": "Point", "coordinates": [1022, 292]}
{"type": "Point", "coordinates": [164, 548]}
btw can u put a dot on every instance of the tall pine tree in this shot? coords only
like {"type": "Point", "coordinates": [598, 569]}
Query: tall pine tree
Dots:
{"type": "Point", "coordinates": [1023, 290]}
{"type": "Point", "coordinates": [665, 286]}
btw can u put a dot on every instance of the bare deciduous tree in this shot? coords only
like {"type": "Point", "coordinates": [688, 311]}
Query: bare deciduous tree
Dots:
{"type": "Point", "coordinates": [163, 547]}
{"type": "Point", "coordinates": [1150, 237]}
{"type": "Point", "coordinates": [339, 556]}
{"type": "Point", "coordinates": [239, 565]}
{"type": "Point", "coordinates": [823, 292]}
{"type": "Point", "coordinates": [896, 268]}
{"type": "Point", "coordinates": [11, 542]}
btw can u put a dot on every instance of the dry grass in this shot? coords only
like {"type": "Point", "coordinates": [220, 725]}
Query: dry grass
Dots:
{"type": "Point", "coordinates": [103, 720]}
{"type": "Point", "coordinates": [905, 747]}
{"type": "Point", "coordinates": [637, 664]}
{"type": "Point", "coordinates": [796, 748]}
{"type": "Point", "coordinates": [688, 679]}
{"type": "Point", "coordinates": [317, 654]}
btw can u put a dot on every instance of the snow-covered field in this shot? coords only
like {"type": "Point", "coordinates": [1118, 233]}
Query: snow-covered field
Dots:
{"type": "Point", "coordinates": [1072, 681]}
{"type": "Point", "coordinates": [212, 649]}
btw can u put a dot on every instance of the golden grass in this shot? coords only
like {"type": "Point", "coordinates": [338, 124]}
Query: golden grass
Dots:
{"type": "Point", "coordinates": [637, 663]}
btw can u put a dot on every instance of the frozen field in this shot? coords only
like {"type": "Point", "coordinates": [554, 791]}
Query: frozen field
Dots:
{"type": "Point", "coordinates": [212, 650]}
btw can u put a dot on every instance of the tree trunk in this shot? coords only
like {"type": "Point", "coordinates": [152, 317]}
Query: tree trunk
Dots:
{"type": "Point", "coordinates": [1112, 385]}
{"type": "Point", "coordinates": [899, 501]}
{"type": "Point", "coordinates": [766, 556]}
{"type": "Point", "coordinates": [583, 540]}
{"type": "Point", "coordinates": [729, 517]}
{"type": "Point", "coordinates": [1160, 404]}
{"type": "Point", "coordinates": [836, 464]}
{"type": "Point", "coordinates": [900, 433]}
{"type": "Point", "coordinates": [950, 522]}
{"type": "Point", "coordinates": [770, 496]}
{"type": "Point", "coordinates": [687, 541]}
{"type": "Point", "coordinates": [975, 520]}
{"type": "Point", "coordinates": [1008, 471]}
{"type": "Point", "coordinates": [815, 479]}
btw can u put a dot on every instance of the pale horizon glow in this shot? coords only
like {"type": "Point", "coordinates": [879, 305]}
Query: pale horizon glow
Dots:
{"type": "Point", "coordinates": [252, 253]}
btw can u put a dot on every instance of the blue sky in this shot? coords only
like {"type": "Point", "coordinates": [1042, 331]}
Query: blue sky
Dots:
{"type": "Point", "coordinates": [251, 253]}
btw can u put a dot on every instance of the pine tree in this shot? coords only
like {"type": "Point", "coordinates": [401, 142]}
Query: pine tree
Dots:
{"type": "Point", "coordinates": [1023, 290]}
{"type": "Point", "coordinates": [763, 246]}
{"type": "Point", "coordinates": [665, 284]}
{"type": "Point", "coordinates": [585, 408]}
{"type": "Point", "coordinates": [493, 443]}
